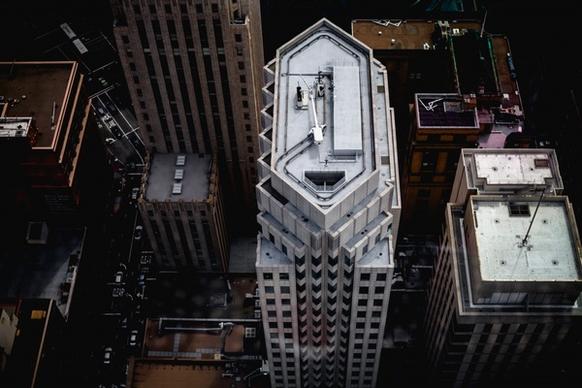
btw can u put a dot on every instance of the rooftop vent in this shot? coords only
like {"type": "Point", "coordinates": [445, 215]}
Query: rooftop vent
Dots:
{"type": "Point", "coordinates": [180, 160]}
{"type": "Point", "coordinates": [177, 188]}
{"type": "Point", "coordinates": [325, 180]}
{"type": "Point", "coordinates": [519, 209]}
{"type": "Point", "coordinates": [179, 174]}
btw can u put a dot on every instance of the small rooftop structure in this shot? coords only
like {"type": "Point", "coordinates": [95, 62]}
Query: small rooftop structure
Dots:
{"type": "Point", "coordinates": [178, 177]}
{"type": "Point", "coordinates": [15, 127]}
{"type": "Point", "coordinates": [488, 171]}
{"type": "Point", "coordinates": [434, 111]}
{"type": "Point", "coordinates": [39, 91]}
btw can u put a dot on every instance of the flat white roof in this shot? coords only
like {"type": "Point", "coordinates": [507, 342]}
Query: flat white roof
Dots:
{"type": "Point", "coordinates": [548, 255]}
{"type": "Point", "coordinates": [514, 169]}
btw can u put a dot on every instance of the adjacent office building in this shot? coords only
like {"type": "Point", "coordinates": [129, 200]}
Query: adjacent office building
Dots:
{"type": "Point", "coordinates": [329, 207]}
{"type": "Point", "coordinates": [507, 281]}
{"type": "Point", "coordinates": [182, 211]}
{"type": "Point", "coordinates": [194, 71]}
{"type": "Point", "coordinates": [461, 83]}
{"type": "Point", "coordinates": [45, 136]}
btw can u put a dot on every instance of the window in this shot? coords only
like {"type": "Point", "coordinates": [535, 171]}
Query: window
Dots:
{"type": "Point", "coordinates": [285, 301]}
{"type": "Point", "coordinates": [214, 8]}
{"type": "Point", "coordinates": [377, 302]}
{"type": "Point", "coordinates": [362, 302]}
{"type": "Point", "coordinates": [268, 276]}
{"type": "Point", "coordinates": [271, 314]}
{"type": "Point", "coordinates": [379, 290]}
{"type": "Point", "coordinates": [284, 249]}
{"type": "Point", "coordinates": [541, 163]}
{"type": "Point", "coordinates": [363, 290]}
{"type": "Point", "coordinates": [287, 313]}
{"type": "Point", "coordinates": [380, 277]}
{"type": "Point", "coordinates": [284, 276]}
{"type": "Point", "coordinates": [270, 301]}
{"type": "Point", "coordinates": [285, 290]}
{"type": "Point", "coordinates": [365, 276]}
{"type": "Point", "coordinates": [237, 37]}
{"type": "Point", "coordinates": [269, 290]}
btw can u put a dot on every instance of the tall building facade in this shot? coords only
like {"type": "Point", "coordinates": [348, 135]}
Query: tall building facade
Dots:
{"type": "Point", "coordinates": [182, 212]}
{"type": "Point", "coordinates": [194, 71]}
{"type": "Point", "coordinates": [508, 278]}
{"type": "Point", "coordinates": [329, 205]}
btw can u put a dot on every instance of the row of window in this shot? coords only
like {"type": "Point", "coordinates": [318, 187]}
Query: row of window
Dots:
{"type": "Point", "coordinates": [269, 276]}
{"type": "Point", "coordinates": [380, 277]}
{"type": "Point", "coordinates": [168, 9]}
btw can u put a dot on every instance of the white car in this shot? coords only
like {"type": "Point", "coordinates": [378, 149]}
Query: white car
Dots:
{"type": "Point", "coordinates": [118, 276]}
{"type": "Point", "coordinates": [133, 338]}
{"type": "Point", "coordinates": [107, 356]}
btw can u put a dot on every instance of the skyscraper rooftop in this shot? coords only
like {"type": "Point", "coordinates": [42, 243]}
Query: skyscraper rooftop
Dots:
{"type": "Point", "coordinates": [38, 90]}
{"type": "Point", "coordinates": [331, 115]}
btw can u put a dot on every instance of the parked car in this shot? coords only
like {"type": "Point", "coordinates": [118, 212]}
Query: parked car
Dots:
{"type": "Point", "coordinates": [138, 232]}
{"type": "Point", "coordinates": [133, 338]}
{"type": "Point", "coordinates": [134, 193]}
{"type": "Point", "coordinates": [118, 276]}
{"type": "Point", "coordinates": [107, 356]}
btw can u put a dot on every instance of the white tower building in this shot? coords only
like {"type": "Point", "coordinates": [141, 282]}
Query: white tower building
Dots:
{"type": "Point", "coordinates": [329, 205]}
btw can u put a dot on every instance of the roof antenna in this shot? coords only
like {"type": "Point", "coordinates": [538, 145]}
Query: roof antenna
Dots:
{"type": "Point", "coordinates": [524, 241]}
{"type": "Point", "coordinates": [483, 24]}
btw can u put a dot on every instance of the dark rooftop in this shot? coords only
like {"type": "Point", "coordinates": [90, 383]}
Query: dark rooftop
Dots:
{"type": "Point", "coordinates": [475, 64]}
{"type": "Point", "coordinates": [444, 111]}
{"type": "Point", "coordinates": [192, 175]}
{"type": "Point", "coordinates": [402, 34]}
{"type": "Point", "coordinates": [43, 84]}
{"type": "Point", "coordinates": [42, 271]}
